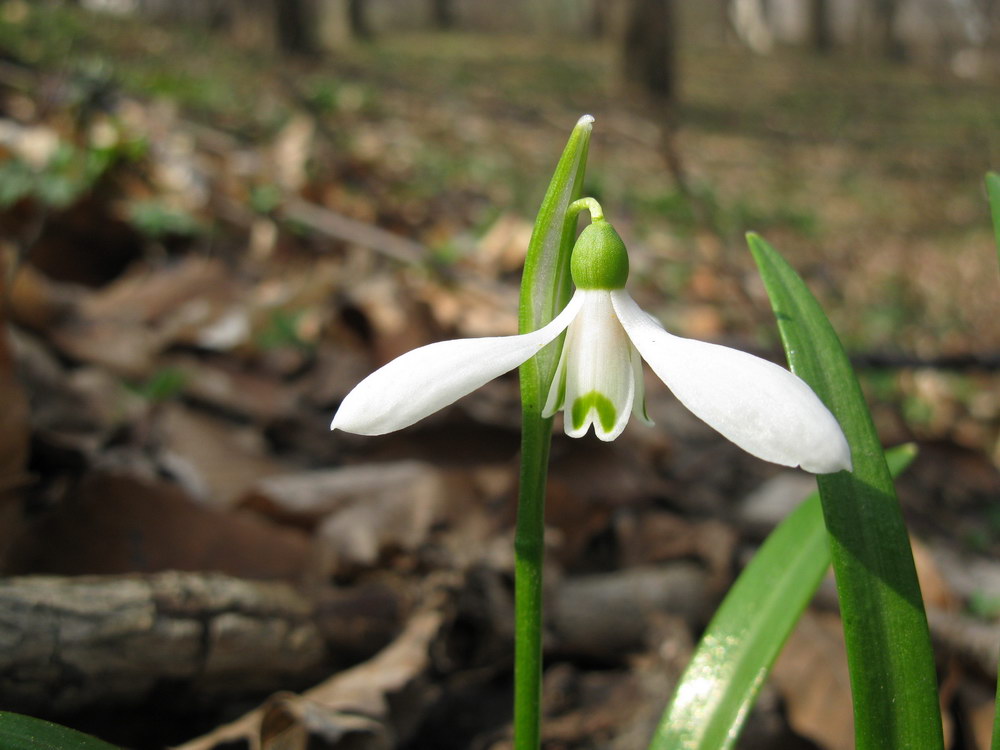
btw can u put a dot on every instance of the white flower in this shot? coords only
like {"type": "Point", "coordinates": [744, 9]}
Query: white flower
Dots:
{"type": "Point", "coordinates": [763, 408]}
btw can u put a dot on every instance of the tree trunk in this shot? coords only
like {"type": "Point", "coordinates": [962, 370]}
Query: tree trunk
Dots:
{"type": "Point", "coordinates": [649, 49]}
{"type": "Point", "coordinates": [597, 25]}
{"type": "Point", "coordinates": [442, 14]}
{"type": "Point", "coordinates": [822, 34]}
{"type": "Point", "coordinates": [295, 27]}
{"type": "Point", "coordinates": [885, 20]}
{"type": "Point", "coordinates": [357, 17]}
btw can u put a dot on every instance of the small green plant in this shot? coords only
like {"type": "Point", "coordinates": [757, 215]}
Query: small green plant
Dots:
{"type": "Point", "coordinates": [157, 220]}
{"type": "Point", "coordinates": [265, 198]}
{"type": "Point", "coordinates": [68, 174]}
{"type": "Point", "coordinates": [163, 385]}
{"type": "Point", "coordinates": [282, 331]}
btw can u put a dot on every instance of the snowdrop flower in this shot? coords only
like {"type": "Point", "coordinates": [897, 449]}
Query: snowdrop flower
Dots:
{"type": "Point", "coordinates": [763, 408]}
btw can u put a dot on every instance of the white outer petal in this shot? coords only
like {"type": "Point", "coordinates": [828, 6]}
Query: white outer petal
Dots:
{"type": "Point", "coordinates": [427, 379]}
{"type": "Point", "coordinates": [763, 408]}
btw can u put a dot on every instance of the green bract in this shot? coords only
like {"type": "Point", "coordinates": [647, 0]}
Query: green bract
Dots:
{"type": "Point", "coordinates": [600, 260]}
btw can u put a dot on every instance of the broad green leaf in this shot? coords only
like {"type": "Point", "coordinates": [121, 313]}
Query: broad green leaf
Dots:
{"type": "Point", "coordinates": [19, 732]}
{"type": "Point", "coordinates": [736, 652]}
{"type": "Point", "coordinates": [993, 191]}
{"type": "Point", "coordinates": [889, 652]}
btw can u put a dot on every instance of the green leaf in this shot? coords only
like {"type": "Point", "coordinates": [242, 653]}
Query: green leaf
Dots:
{"type": "Point", "coordinates": [546, 285]}
{"type": "Point", "coordinates": [889, 652]}
{"type": "Point", "coordinates": [19, 732]}
{"type": "Point", "coordinates": [993, 191]}
{"type": "Point", "coordinates": [714, 696]}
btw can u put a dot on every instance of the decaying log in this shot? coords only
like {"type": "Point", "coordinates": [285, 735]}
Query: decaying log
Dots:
{"type": "Point", "coordinates": [69, 643]}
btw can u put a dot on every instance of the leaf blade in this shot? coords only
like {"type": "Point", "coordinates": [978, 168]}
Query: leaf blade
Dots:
{"type": "Point", "coordinates": [20, 732]}
{"type": "Point", "coordinates": [889, 653]}
{"type": "Point", "coordinates": [993, 193]}
{"type": "Point", "coordinates": [545, 284]}
{"type": "Point", "coordinates": [714, 696]}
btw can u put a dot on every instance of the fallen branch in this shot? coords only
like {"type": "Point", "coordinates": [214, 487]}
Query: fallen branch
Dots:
{"type": "Point", "coordinates": [71, 643]}
{"type": "Point", "coordinates": [337, 226]}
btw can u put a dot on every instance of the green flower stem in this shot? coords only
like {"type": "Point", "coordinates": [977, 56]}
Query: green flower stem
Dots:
{"type": "Point", "coordinates": [588, 204]}
{"type": "Point", "coordinates": [529, 547]}
{"type": "Point", "coordinates": [993, 194]}
{"type": "Point", "coordinates": [545, 289]}
{"type": "Point", "coordinates": [529, 552]}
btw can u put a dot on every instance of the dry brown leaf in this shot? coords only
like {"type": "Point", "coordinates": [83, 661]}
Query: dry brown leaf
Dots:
{"type": "Point", "coordinates": [503, 247]}
{"type": "Point", "coordinates": [392, 689]}
{"type": "Point", "coordinates": [397, 323]}
{"type": "Point", "coordinates": [226, 385]}
{"type": "Point", "coordinates": [291, 151]}
{"type": "Point", "coordinates": [227, 458]}
{"type": "Point", "coordinates": [934, 587]}
{"type": "Point", "coordinates": [981, 713]}
{"type": "Point", "coordinates": [305, 498]}
{"type": "Point", "coordinates": [113, 523]}
{"type": "Point", "coordinates": [811, 674]}
{"type": "Point", "coordinates": [14, 438]}
{"type": "Point", "coordinates": [600, 700]}
{"type": "Point", "coordinates": [37, 302]}
{"type": "Point", "coordinates": [124, 326]}
{"type": "Point", "coordinates": [655, 536]}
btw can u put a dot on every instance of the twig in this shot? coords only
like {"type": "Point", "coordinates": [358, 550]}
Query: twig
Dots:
{"type": "Point", "coordinates": [337, 226]}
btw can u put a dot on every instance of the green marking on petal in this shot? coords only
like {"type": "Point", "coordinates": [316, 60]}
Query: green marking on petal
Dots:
{"type": "Point", "coordinates": [606, 411]}
{"type": "Point", "coordinates": [562, 390]}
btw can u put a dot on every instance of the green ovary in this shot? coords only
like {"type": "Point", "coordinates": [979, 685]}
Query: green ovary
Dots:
{"type": "Point", "coordinates": [606, 411]}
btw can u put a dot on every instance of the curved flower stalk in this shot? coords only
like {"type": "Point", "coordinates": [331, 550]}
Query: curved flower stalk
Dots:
{"type": "Point", "coordinates": [763, 408]}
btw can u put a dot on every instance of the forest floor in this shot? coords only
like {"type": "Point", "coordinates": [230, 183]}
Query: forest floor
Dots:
{"type": "Point", "coordinates": [206, 245]}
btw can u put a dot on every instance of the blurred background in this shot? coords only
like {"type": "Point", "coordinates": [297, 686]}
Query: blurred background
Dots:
{"type": "Point", "coordinates": [217, 216]}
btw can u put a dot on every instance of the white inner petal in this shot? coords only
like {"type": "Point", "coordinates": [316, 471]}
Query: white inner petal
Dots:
{"type": "Point", "coordinates": [639, 401]}
{"type": "Point", "coordinates": [763, 408]}
{"type": "Point", "coordinates": [599, 379]}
